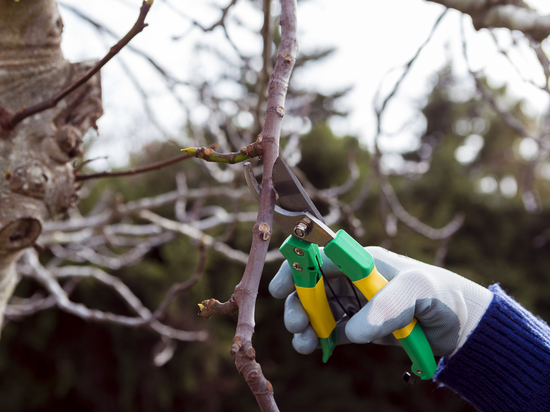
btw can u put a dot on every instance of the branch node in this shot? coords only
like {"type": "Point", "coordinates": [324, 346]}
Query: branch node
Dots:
{"type": "Point", "coordinates": [212, 307]}
{"type": "Point", "coordinates": [287, 58]}
{"type": "Point", "coordinates": [249, 351]}
{"type": "Point", "coordinates": [237, 345]}
{"type": "Point", "coordinates": [265, 231]}
{"type": "Point", "coordinates": [255, 149]}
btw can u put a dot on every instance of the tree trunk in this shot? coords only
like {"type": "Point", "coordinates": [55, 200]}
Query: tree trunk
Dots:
{"type": "Point", "coordinates": [37, 179]}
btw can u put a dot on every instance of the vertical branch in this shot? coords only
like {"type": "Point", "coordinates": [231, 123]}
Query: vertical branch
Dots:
{"type": "Point", "coordinates": [247, 290]}
{"type": "Point", "coordinates": [266, 33]}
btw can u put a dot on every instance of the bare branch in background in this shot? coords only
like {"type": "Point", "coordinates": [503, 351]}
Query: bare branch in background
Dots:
{"type": "Point", "coordinates": [48, 280]}
{"type": "Point", "coordinates": [540, 55]}
{"type": "Point", "coordinates": [506, 116]}
{"type": "Point", "coordinates": [179, 288]}
{"type": "Point", "coordinates": [530, 196]}
{"type": "Point", "coordinates": [389, 198]}
{"type": "Point", "coordinates": [105, 217]}
{"type": "Point", "coordinates": [500, 13]}
{"type": "Point", "coordinates": [101, 28]}
{"type": "Point", "coordinates": [220, 22]}
{"type": "Point", "coordinates": [345, 187]}
{"type": "Point", "coordinates": [406, 68]}
{"type": "Point", "coordinates": [188, 230]}
{"type": "Point", "coordinates": [414, 223]}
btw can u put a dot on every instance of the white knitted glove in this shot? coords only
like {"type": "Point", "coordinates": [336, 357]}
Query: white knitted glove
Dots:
{"type": "Point", "coordinates": [447, 306]}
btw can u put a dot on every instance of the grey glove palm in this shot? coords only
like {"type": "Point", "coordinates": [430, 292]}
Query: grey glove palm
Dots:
{"type": "Point", "coordinates": [447, 306]}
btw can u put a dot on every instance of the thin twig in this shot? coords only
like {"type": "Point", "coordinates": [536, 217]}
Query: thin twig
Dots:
{"type": "Point", "coordinates": [179, 288]}
{"type": "Point", "coordinates": [134, 170]}
{"type": "Point", "coordinates": [540, 55]}
{"type": "Point", "coordinates": [62, 301]}
{"type": "Point", "coordinates": [220, 22]}
{"type": "Point", "coordinates": [104, 218]}
{"type": "Point", "coordinates": [229, 253]}
{"type": "Point", "coordinates": [22, 114]}
{"type": "Point", "coordinates": [170, 79]}
{"type": "Point", "coordinates": [389, 199]}
{"type": "Point", "coordinates": [506, 116]}
{"type": "Point", "coordinates": [413, 222]}
{"type": "Point", "coordinates": [406, 70]}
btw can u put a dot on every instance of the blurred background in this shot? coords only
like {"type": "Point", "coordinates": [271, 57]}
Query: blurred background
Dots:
{"type": "Point", "coordinates": [410, 130]}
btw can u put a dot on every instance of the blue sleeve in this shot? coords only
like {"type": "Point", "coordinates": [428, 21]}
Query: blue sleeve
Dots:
{"type": "Point", "coordinates": [505, 363]}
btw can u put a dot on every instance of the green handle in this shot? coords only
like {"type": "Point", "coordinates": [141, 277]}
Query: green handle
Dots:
{"type": "Point", "coordinates": [305, 260]}
{"type": "Point", "coordinates": [420, 353]}
{"type": "Point", "coordinates": [358, 265]}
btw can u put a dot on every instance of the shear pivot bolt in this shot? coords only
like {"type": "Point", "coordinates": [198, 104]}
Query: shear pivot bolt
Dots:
{"type": "Point", "coordinates": [301, 229]}
{"type": "Point", "coordinates": [297, 266]}
{"type": "Point", "coordinates": [298, 251]}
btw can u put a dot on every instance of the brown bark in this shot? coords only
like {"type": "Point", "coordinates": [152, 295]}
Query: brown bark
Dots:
{"type": "Point", "coordinates": [36, 174]}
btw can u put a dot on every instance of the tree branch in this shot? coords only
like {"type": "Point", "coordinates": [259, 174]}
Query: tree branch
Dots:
{"type": "Point", "coordinates": [221, 248]}
{"type": "Point", "coordinates": [209, 155]}
{"type": "Point", "coordinates": [144, 318]}
{"type": "Point", "coordinates": [220, 22]}
{"type": "Point", "coordinates": [263, 77]}
{"type": "Point", "coordinates": [500, 13]}
{"type": "Point", "coordinates": [179, 288]}
{"type": "Point", "coordinates": [8, 121]}
{"type": "Point", "coordinates": [247, 289]}
{"type": "Point", "coordinates": [135, 170]}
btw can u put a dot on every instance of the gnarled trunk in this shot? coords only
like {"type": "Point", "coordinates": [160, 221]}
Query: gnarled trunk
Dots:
{"type": "Point", "coordinates": [36, 173]}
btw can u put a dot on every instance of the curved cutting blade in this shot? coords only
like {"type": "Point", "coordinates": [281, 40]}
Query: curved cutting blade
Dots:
{"type": "Point", "coordinates": [319, 233]}
{"type": "Point", "coordinates": [292, 195]}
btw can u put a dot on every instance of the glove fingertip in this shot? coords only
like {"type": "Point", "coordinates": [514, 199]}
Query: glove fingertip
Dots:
{"type": "Point", "coordinates": [282, 283]}
{"type": "Point", "coordinates": [306, 342]}
{"type": "Point", "coordinates": [357, 331]}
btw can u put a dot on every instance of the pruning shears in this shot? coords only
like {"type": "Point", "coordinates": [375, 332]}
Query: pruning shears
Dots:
{"type": "Point", "coordinates": [297, 215]}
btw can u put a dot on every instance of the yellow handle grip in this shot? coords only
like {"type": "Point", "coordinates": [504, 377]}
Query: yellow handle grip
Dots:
{"type": "Point", "coordinates": [373, 283]}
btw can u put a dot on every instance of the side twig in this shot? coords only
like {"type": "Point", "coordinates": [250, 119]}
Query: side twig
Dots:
{"type": "Point", "coordinates": [134, 170]}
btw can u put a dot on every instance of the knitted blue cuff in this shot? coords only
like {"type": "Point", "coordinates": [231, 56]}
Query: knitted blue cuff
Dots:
{"type": "Point", "coordinates": [505, 363]}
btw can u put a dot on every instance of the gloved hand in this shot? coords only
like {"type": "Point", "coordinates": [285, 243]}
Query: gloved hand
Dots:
{"type": "Point", "coordinates": [447, 306]}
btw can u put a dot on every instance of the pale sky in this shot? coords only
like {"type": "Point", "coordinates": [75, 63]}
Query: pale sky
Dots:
{"type": "Point", "coordinates": [371, 38]}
